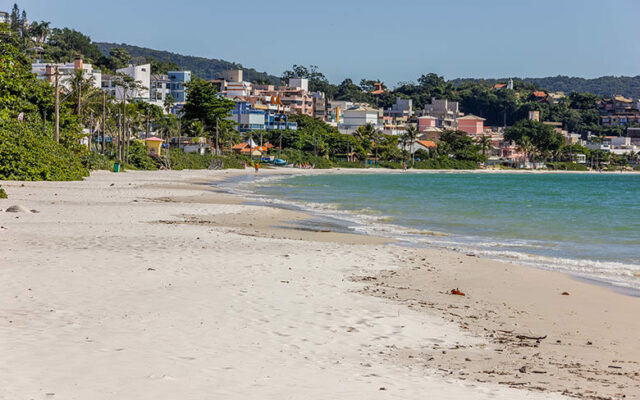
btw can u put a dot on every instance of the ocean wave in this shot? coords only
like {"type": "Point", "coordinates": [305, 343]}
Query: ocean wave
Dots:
{"type": "Point", "coordinates": [366, 220]}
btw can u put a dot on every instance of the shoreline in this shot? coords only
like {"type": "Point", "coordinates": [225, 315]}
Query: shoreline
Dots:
{"type": "Point", "coordinates": [402, 336]}
{"type": "Point", "coordinates": [343, 216]}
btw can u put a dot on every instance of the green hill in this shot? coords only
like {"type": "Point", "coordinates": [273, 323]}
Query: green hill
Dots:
{"type": "Point", "coordinates": [628, 86]}
{"type": "Point", "coordinates": [206, 68]}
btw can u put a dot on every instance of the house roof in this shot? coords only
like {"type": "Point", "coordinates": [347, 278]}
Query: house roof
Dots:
{"type": "Point", "coordinates": [239, 146]}
{"type": "Point", "coordinates": [426, 143]}
{"type": "Point", "coordinates": [538, 93]}
{"type": "Point", "coordinates": [499, 85]}
{"type": "Point", "coordinates": [154, 139]}
{"type": "Point", "coordinates": [471, 116]}
{"type": "Point", "coordinates": [622, 99]}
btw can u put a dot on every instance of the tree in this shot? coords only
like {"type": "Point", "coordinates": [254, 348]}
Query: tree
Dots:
{"type": "Point", "coordinates": [119, 58]}
{"type": "Point", "coordinates": [411, 135]}
{"type": "Point", "coordinates": [543, 137]}
{"type": "Point", "coordinates": [317, 80]}
{"type": "Point", "coordinates": [458, 145]}
{"type": "Point", "coordinates": [366, 134]}
{"type": "Point", "coordinates": [204, 104]}
{"type": "Point", "coordinates": [485, 144]}
{"type": "Point", "coordinates": [39, 31]}
{"type": "Point", "coordinates": [66, 44]}
{"type": "Point", "coordinates": [168, 103]}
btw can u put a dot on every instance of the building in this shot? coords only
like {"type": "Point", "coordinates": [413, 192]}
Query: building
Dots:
{"type": "Point", "coordinates": [260, 114]}
{"type": "Point", "coordinates": [471, 124]}
{"type": "Point", "coordinates": [446, 112]}
{"type": "Point", "coordinates": [335, 111]}
{"type": "Point", "coordinates": [556, 97]}
{"type": "Point", "coordinates": [393, 126]}
{"type": "Point", "coordinates": [621, 120]}
{"type": "Point", "coordinates": [618, 111]}
{"type": "Point", "coordinates": [427, 122]}
{"type": "Point", "coordinates": [5, 17]}
{"type": "Point", "coordinates": [159, 89]}
{"type": "Point", "coordinates": [66, 71]}
{"type": "Point", "coordinates": [403, 108]}
{"type": "Point", "coordinates": [357, 116]}
{"type": "Point", "coordinates": [233, 84]}
{"type": "Point", "coordinates": [539, 95]}
{"type": "Point", "coordinates": [177, 88]}
{"type": "Point", "coordinates": [615, 105]}
{"type": "Point", "coordinates": [426, 145]}
{"type": "Point", "coordinates": [616, 145]}
{"type": "Point", "coordinates": [140, 73]}
{"type": "Point", "coordinates": [295, 95]}
{"type": "Point", "coordinates": [319, 105]}
{"type": "Point", "coordinates": [508, 85]}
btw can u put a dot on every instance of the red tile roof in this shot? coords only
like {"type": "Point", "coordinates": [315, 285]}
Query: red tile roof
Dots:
{"type": "Point", "coordinates": [427, 143]}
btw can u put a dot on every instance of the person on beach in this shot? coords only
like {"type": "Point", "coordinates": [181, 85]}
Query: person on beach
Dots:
{"type": "Point", "coordinates": [257, 167]}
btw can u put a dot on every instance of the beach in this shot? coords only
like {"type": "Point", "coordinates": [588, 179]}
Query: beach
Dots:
{"type": "Point", "coordinates": [160, 285]}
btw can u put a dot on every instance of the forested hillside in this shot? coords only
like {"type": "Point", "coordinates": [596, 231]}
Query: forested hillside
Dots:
{"type": "Point", "coordinates": [628, 86]}
{"type": "Point", "coordinates": [206, 68]}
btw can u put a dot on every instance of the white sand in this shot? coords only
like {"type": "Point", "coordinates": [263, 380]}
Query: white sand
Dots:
{"type": "Point", "coordinates": [221, 316]}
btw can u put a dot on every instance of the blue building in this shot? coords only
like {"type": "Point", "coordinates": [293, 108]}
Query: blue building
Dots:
{"type": "Point", "coordinates": [259, 117]}
{"type": "Point", "coordinates": [176, 87]}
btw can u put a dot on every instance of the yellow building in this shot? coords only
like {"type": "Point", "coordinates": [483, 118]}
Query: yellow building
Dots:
{"type": "Point", "coordinates": [154, 145]}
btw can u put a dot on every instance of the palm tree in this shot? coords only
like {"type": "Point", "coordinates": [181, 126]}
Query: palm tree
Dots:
{"type": "Point", "coordinates": [196, 129]}
{"type": "Point", "coordinates": [411, 135]}
{"type": "Point", "coordinates": [484, 142]}
{"type": "Point", "coordinates": [366, 134]}
{"type": "Point", "coordinates": [526, 147]}
{"type": "Point", "coordinates": [39, 31]}
{"type": "Point", "coordinates": [168, 104]}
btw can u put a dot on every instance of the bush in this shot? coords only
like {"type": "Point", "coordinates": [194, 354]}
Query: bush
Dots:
{"type": "Point", "coordinates": [566, 166]}
{"type": "Point", "coordinates": [390, 164]}
{"type": "Point", "coordinates": [445, 163]}
{"type": "Point", "coordinates": [139, 157]}
{"type": "Point", "coordinates": [293, 156]}
{"type": "Point", "coordinates": [3, 194]}
{"type": "Point", "coordinates": [347, 164]}
{"type": "Point", "coordinates": [181, 160]}
{"type": "Point", "coordinates": [30, 155]}
{"type": "Point", "coordinates": [95, 161]}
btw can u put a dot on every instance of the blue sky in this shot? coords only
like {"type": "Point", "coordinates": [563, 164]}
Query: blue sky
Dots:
{"type": "Point", "coordinates": [389, 40]}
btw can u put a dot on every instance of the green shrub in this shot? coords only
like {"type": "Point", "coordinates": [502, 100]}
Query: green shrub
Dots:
{"type": "Point", "coordinates": [3, 194]}
{"type": "Point", "coordinates": [566, 166]}
{"type": "Point", "coordinates": [181, 160]}
{"type": "Point", "coordinates": [139, 157]}
{"type": "Point", "coordinates": [28, 154]}
{"type": "Point", "coordinates": [96, 161]}
{"type": "Point", "coordinates": [390, 164]}
{"type": "Point", "coordinates": [347, 164]}
{"type": "Point", "coordinates": [445, 163]}
{"type": "Point", "coordinates": [293, 156]}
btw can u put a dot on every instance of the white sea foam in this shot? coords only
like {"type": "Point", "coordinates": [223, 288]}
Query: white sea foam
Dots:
{"type": "Point", "coordinates": [369, 221]}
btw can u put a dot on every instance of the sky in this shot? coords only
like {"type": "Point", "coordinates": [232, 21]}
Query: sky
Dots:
{"type": "Point", "coordinates": [395, 41]}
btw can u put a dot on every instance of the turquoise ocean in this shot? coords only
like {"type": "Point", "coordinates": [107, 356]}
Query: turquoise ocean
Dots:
{"type": "Point", "coordinates": [584, 224]}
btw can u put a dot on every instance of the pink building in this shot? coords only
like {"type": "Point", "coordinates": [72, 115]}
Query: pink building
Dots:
{"type": "Point", "coordinates": [295, 95]}
{"type": "Point", "coordinates": [471, 124]}
{"type": "Point", "coordinates": [426, 123]}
